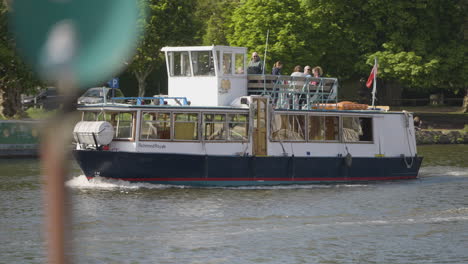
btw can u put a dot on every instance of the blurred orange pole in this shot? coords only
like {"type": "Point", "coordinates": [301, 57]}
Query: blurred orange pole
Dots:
{"type": "Point", "coordinates": [55, 168]}
{"type": "Point", "coordinates": [55, 161]}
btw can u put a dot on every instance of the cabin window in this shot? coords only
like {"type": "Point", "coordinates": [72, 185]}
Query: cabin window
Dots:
{"type": "Point", "coordinates": [323, 128]}
{"type": "Point", "coordinates": [288, 127]}
{"type": "Point", "coordinates": [179, 63]}
{"type": "Point", "coordinates": [213, 127]}
{"type": "Point", "coordinates": [121, 121]}
{"type": "Point", "coordinates": [357, 129]}
{"type": "Point", "coordinates": [155, 125]}
{"type": "Point", "coordinates": [202, 63]}
{"type": "Point", "coordinates": [227, 63]}
{"type": "Point", "coordinates": [240, 60]}
{"type": "Point", "coordinates": [186, 126]}
{"type": "Point", "coordinates": [95, 116]}
{"type": "Point", "coordinates": [238, 125]}
{"type": "Point", "coordinates": [123, 125]}
{"type": "Point", "coordinates": [89, 116]}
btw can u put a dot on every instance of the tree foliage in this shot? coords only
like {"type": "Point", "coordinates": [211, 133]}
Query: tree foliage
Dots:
{"type": "Point", "coordinates": [163, 23]}
{"type": "Point", "coordinates": [15, 76]}
{"type": "Point", "coordinates": [284, 20]}
{"type": "Point", "coordinates": [215, 18]}
{"type": "Point", "coordinates": [419, 43]}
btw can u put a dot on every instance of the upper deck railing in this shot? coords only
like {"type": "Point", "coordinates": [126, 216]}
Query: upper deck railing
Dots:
{"type": "Point", "coordinates": [145, 101]}
{"type": "Point", "coordinates": [291, 92]}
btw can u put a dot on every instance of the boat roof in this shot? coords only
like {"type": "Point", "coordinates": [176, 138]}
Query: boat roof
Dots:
{"type": "Point", "coordinates": [202, 48]}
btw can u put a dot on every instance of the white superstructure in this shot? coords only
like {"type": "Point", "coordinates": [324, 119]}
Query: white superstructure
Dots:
{"type": "Point", "coordinates": [207, 75]}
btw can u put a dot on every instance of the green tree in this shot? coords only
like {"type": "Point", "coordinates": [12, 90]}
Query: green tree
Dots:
{"type": "Point", "coordinates": [284, 20]}
{"type": "Point", "coordinates": [15, 76]}
{"type": "Point", "coordinates": [425, 48]}
{"type": "Point", "coordinates": [215, 17]}
{"type": "Point", "coordinates": [418, 43]}
{"type": "Point", "coordinates": [163, 23]}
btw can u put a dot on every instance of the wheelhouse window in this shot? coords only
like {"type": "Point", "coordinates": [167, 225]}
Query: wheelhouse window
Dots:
{"type": "Point", "coordinates": [240, 60]}
{"type": "Point", "coordinates": [288, 127]}
{"type": "Point", "coordinates": [357, 129]}
{"type": "Point", "coordinates": [323, 128]}
{"type": "Point", "coordinates": [155, 125]}
{"type": "Point", "coordinates": [238, 127]}
{"type": "Point", "coordinates": [227, 63]}
{"type": "Point", "coordinates": [179, 63]}
{"type": "Point", "coordinates": [214, 126]}
{"type": "Point", "coordinates": [123, 125]}
{"type": "Point", "coordinates": [203, 63]}
{"type": "Point", "coordinates": [186, 126]}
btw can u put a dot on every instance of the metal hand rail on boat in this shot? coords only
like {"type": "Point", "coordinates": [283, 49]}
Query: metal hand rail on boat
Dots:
{"type": "Point", "coordinates": [157, 100]}
{"type": "Point", "coordinates": [294, 92]}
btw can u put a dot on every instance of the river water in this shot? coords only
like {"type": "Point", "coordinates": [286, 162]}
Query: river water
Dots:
{"type": "Point", "coordinates": [417, 221]}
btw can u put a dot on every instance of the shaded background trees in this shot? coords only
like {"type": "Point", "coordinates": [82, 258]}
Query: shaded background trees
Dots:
{"type": "Point", "coordinates": [163, 23]}
{"type": "Point", "coordinates": [421, 44]}
{"type": "Point", "coordinates": [15, 77]}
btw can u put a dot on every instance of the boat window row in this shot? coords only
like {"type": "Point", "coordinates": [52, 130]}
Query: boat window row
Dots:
{"type": "Point", "coordinates": [291, 127]}
{"type": "Point", "coordinates": [202, 63]}
{"type": "Point", "coordinates": [194, 126]}
{"type": "Point", "coordinates": [197, 126]}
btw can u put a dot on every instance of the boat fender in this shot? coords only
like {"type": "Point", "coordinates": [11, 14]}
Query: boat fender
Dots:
{"type": "Point", "coordinates": [349, 160]}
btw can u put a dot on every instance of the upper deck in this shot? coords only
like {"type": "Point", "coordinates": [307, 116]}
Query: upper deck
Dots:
{"type": "Point", "coordinates": [217, 76]}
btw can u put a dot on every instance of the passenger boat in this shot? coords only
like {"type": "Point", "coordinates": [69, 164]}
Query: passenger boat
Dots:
{"type": "Point", "coordinates": [219, 126]}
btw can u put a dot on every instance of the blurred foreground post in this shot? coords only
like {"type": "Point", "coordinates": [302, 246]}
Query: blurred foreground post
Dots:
{"type": "Point", "coordinates": [74, 45]}
{"type": "Point", "coordinates": [55, 157]}
{"type": "Point", "coordinates": [55, 164]}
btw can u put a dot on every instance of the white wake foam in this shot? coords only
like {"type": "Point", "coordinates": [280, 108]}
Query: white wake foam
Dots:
{"type": "Point", "coordinates": [81, 182]}
{"type": "Point", "coordinates": [444, 171]}
{"type": "Point", "coordinates": [407, 221]}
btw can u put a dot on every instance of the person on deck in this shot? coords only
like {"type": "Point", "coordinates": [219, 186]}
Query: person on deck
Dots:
{"type": "Point", "coordinates": [297, 71]}
{"type": "Point", "coordinates": [317, 72]}
{"type": "Point", "coordinates": [255, 65]}
{"type": "Point", "coordinates": [308, 71]}
{"type": "Point", "coordinates": [298, 87]}
{"type": "Point", "coordinates": [277, 68]}
{"type": "Point", "coordinates": [417, 123]}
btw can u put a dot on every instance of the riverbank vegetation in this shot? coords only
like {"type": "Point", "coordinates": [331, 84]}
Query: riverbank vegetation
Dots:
{"type": "Point", "coordinates": [419, 44]}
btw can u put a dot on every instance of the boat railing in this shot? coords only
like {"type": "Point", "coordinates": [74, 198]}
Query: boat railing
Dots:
{"type": "Point", "coordinates": [156, 100]}
{"type": "Point", "coordinates": [293, 92]}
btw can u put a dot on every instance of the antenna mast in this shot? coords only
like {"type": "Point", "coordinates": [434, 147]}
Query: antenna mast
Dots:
{"type": "Point", "coordinates": [266, 48]}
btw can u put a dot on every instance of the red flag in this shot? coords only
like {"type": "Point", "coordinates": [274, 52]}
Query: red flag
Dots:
{"type": "Point", "coordinates": [373, 74]}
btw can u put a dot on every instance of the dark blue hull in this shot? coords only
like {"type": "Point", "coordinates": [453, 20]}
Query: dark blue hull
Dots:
{"type": "Point", "coordinates": [200, 170]}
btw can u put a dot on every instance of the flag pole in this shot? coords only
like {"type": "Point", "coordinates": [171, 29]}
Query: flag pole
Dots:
{"type": "Point", "coordinates": [374, 88]}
